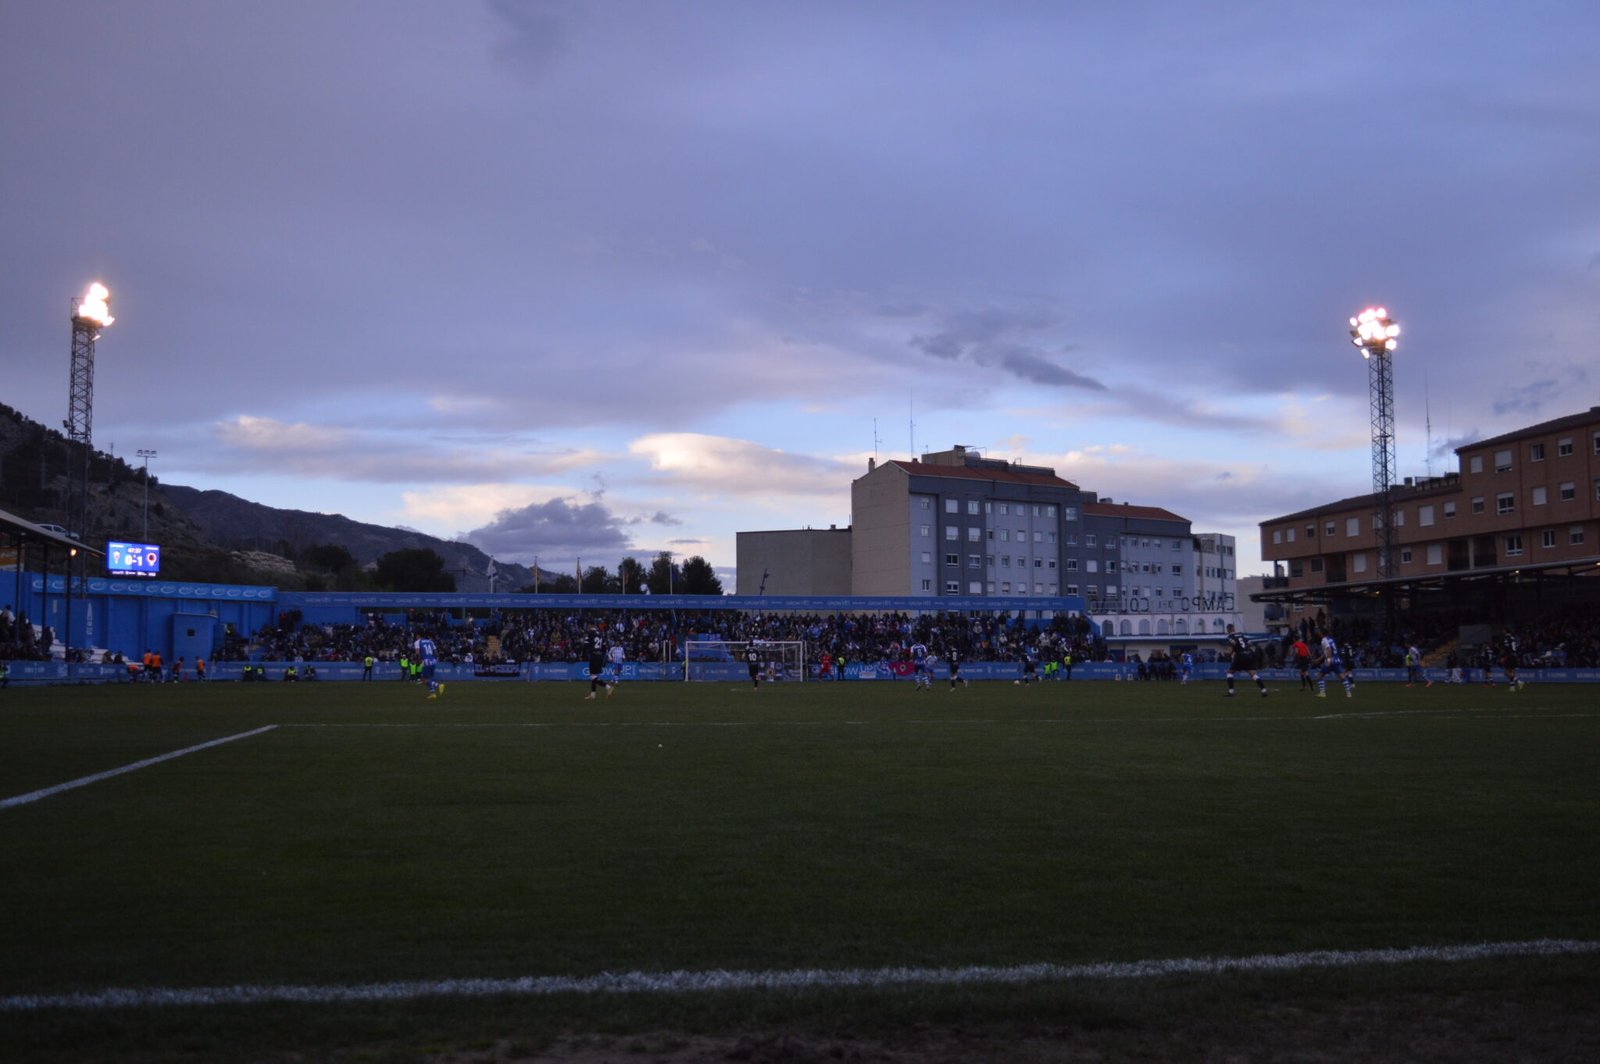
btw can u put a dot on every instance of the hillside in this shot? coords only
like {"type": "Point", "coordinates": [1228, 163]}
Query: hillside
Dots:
{"type": "Point", "coordinates": [209, 535]}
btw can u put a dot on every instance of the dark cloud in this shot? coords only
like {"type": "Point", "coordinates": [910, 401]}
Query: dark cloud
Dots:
{"type": "Point", "coordinates": [993, 338]}
{"type": "Point", "coordinates": [559, 528]}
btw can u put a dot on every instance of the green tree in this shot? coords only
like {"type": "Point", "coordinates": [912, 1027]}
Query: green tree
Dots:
{"type": "Point", "coordinates": [632, 576]}
{"type": "Point", "coordinates": [597, 580]}
{"type": "Point", "coordinates": [664, 577]}
{"type": "Point", "coordinates": [414, 569]}
{"type": "Point", "coordinates": [699, 578]}
{"type": "Point", "coordinates": [328, 557]}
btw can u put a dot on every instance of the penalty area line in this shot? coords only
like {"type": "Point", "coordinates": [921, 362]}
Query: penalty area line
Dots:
{"type": "Point", "coordinates": [34, 796]}
{"type": "Point", "coordinates": [684, 982]}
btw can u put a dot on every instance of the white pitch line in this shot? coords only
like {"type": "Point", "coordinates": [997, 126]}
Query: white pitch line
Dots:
{"type": "Point", "coordinates": [684, 982]}
{"type": "Point", "coordinates": [34, 796]}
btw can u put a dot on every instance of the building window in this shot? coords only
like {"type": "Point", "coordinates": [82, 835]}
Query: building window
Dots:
{"type": "Point", "coordinates": [1072, 565]}
{"type": "Point", "coordinates": [1358, 563]}
{"type": "Point", "coordinates": [952, 506]}
{"type": "Point", "coordinates": [924, 503]}
{"type": "Point", "coordinates": [1005, 535]}
{"type": "Point", "coordinates": [1005, 587]}
{"type": "Point", "coordinates": [952, 559]}
{"type": "Point", "coordinates": [1575, 535]}
{"type": "Point", "coordinates": [1111, 566]}
{"type": "Point", "coordinates": [1547, 538]}
{"type": "Point", "coordinates": [951, 532]}
{"type": "Point", "coordinates": [1449, 510]}
{"type": "Point", "coordinates": [1277, 535]}
{"type": "Point", "coordinates": [1564, 447]}
{"type": "Point", "coordinates": [1424, 516]}
{"type": "Point", "coordinates": [1330, 529]}
{"type": "Point", "coordinates": [1052, 564]}
{"type": "Point", "coordinates": [988, 560]}
{"type": "Point", "coordinates": [1597, 443]}
{"type": "Point", "coordinates": [1072, 589]}
{"type": "Point", "coordinates": [974, 535]}
{"type": "Point", "coordinates": [927, 585]}
{"type": "Point", "coordinates": [1477, 504]}
{"type": "Point", "coordinates": [927, 558]}
{"type": "Point", "coordinates": [1038, 563]}
{"type": "Point", "coordinates": [1005, 508]}
{"type": "Point", "coordinates": [1038, 537]}
{"type": "Point", "coordinates": [1288, 535]}
{"type": "Point", "coordinates": [1536, 452]}
{"type": "Point", "coordinates": [990, 586]}
{"type": "Point", "coordinates": [1177, 570]}
{"type": "Point", "coordinates": [926, 531]}
{"type": "Point", "coordinates": [952, 587]}
{"type": "Point", "coordinates": [975, 587]}
{"type": "Point", "coordinates": [972, 506]}
{"type": "Point", "coordinates": [1568, 492]}
{"type": "Point", "coordinates": [1089, 540]}
{"type": "Point", "coordinates": [1352, 526]}
{"type": "Point", "coordinates": [1475, 464]}
{"type": "Point", "coordinates": [1316, 565]}
{"type": "Point", "coordinates": [1540, 495]}
{"type": "Point", "coordinates": [1069, 513]}
{"type": "Point", "coordinates": [1005, 561]}
{"type": "Point", "coordinates": [1514, 545]}
{"type": "Point", "coordinates": [1435, 554]}
{"type": "Point", "coordinates": [1050, 510]}
{"type": "Point", "coordinates": [974, 561]}
{"type": "Point", "coordinates": [1091, 566]}
{"type": "Point", "coordinates": [1502, 461]}
{"type": "Point", "coordinates": [1505, 503]}
{"type": "Point", "coordinates": [1049, 537]}
{"type": "Point", "coordinates": [1405, 555]}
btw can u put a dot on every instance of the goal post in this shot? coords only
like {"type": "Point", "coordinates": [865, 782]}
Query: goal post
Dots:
{"type": "Point", "coordinates": [729, 659]}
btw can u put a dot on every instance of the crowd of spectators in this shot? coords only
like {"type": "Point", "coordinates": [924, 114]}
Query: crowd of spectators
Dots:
{"type": "Point", "coordinates": [20, 640]}
{"type": "Point", "coordinates": [1562, 637]}
{"type": "Point", "coordinates": [658, 635]}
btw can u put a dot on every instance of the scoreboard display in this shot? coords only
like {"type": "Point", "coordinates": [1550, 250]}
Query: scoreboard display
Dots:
{"type": "Point", "coordinates": [133, 559]}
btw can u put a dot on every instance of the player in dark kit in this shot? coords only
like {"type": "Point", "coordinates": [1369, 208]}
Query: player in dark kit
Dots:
{"type": "Point", "coordinates": [953, 656]}
{"type": "Point", "coordinates": [597, 666]}
{"type": "Point", "coordinates": [1244, 660]}
{"type": "Point", "coordinates": [753, 657]}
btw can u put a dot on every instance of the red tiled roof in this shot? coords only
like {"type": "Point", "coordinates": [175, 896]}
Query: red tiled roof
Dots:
{"type": "Point", "coordinates": [1123, 509]}
{"type": "Point", "coordinates": [1003, 476]}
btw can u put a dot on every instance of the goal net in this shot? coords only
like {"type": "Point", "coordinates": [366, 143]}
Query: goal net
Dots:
{"type": "Point", "coordinates": [729, 659]}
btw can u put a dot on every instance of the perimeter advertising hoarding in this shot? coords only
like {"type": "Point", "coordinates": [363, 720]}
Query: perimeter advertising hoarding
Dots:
{"type": "Point", "coordinates": [133, 559]}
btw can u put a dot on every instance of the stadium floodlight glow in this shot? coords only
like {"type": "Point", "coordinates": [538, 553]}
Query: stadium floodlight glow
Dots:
{"type": "Point", "coordinates": [1374, 332]}
{"type": "Point", "coordinates": [96, 305]}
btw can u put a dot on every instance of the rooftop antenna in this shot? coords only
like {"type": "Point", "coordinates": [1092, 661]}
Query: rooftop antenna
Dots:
{"type": "Point", "coordinates": [911, 428]}
{"type": "Point", "coordinates": [876, 441]}
{"type": "Point", "coordinates": [1427, 416]}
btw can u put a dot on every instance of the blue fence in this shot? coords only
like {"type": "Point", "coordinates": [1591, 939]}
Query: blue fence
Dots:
{"type": "Point", "coordinates": [23, 672]}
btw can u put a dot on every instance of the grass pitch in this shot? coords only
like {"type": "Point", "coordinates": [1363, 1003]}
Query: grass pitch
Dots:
{"type": "Point", "coordinates": [511, 830]}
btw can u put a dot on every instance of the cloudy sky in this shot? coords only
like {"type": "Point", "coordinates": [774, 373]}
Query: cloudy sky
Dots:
{"type": "Point", "coordinates": [592, 279]}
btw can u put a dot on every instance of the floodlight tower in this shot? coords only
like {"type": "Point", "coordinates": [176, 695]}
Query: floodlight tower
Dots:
{"type": "Point", "coordinates": [1377, 336]}
{"type": "Point", "coordinates": [90, 315]}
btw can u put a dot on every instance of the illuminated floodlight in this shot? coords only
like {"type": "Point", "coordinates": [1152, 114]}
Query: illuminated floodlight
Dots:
{"type": "Point", "coordinates": [96, 305]}
{"type": "Point", "coordinates": [1374, 332]}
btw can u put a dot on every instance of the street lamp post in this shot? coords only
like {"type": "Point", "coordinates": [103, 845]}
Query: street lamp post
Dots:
{"type": "Point", "coordinates": [146, 455]}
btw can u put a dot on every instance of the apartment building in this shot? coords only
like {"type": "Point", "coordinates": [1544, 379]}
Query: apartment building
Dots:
{"type": "Point", "coordinates": [1521, 504]}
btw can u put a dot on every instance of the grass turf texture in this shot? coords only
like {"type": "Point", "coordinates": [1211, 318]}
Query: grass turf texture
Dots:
{"type": "Point", "coordinates": [514, 830]}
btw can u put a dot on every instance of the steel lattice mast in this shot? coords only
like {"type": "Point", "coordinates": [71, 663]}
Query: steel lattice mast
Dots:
{"type": "Point", "coordinates": [89, 317]}
{"type": "Point", "coordinates": [1377, 335]}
